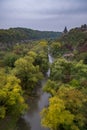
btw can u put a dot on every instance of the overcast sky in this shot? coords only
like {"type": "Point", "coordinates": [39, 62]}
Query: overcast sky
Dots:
{"type": "Point", "coordinates": [43, 14]}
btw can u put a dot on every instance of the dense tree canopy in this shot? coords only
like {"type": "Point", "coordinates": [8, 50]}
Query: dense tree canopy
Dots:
{"type": "Point", "coordinates": [65, 110]}
{"type": "Point", "coordinates": [10, 59]}
{"type": "Point", "coordinates": [27, 72]}
{"type": "Point", "coordinates": [11, 96]}
{"type": "Point", "coordinates": [68, 103]}
{"type": "Point", "coordinates": [65, 71]}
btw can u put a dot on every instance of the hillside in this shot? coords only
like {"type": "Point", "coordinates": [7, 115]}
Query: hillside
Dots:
{"type": "Point", "coordinates": [75, 37]}
{"type": "Point", "coordinates": [73, 42]}
{"type": "Point", "coordinates": [24, 34]}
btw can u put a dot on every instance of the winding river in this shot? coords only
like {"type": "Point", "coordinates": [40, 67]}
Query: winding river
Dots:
{"type": "Point", "coordinates": [32, 120]}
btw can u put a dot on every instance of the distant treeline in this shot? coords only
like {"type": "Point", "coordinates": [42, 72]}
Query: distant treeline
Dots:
{"type": "Point", "coordinates": [24, 34]}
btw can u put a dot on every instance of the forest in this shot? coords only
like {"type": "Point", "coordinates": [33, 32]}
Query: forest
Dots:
{"type": "Point", "coordinates": [19, 34]}
{"type": "Point", "coordinates": [24, 63]}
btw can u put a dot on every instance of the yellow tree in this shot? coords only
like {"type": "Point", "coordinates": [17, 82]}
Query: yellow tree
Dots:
{"type": "Point", "coordinates": [67, 110]}
{"type": "Point", "coordinates": [11, 96]}
{"type": "Point", "coordinates": [56, 115]}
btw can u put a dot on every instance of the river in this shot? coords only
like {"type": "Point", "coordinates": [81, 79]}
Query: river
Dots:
{"type": "Point", "coordinates": [32, 120]}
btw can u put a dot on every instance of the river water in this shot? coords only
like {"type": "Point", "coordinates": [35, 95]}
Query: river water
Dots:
{"type": "Point", "coordinates": [32, 120]}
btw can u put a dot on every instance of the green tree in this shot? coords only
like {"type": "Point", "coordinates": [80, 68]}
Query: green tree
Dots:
{"type": "Point", "coordinates": [28, 73]}
{"type": "Point", "coordinates": [55, 48]}
{"type": "Point", "coordinates": [85, 60]}
{"type": "Point", "coordinates": [42, 61]}
{"type": "Point", "coordinates": [65, 71]}
{"type": "Point", "coordinates": [10, 59]}
{"type": "Point", "coordinates": [51, 87]}
{"type": "Point", "coordinates": [41, 58]}
{"type": "Point", "coordinates": [61, 70]}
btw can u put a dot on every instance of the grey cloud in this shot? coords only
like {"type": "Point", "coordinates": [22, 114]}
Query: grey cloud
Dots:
{"type": "Point", "coordinates": [72, 7]}
{"type": "Point", "coordinates": [42, 14]}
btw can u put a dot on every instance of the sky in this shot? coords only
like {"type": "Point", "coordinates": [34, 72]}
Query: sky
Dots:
{"type": "Point", "coordinates": [51, 15]}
